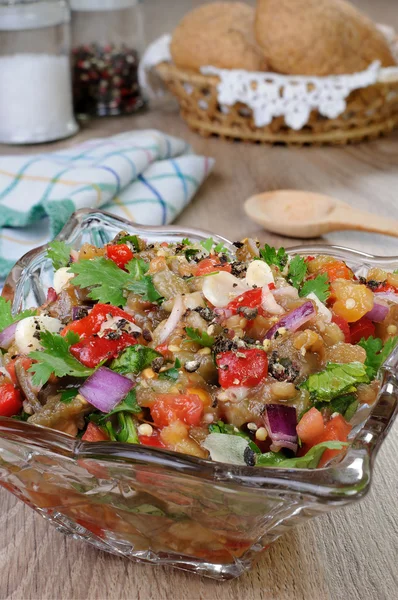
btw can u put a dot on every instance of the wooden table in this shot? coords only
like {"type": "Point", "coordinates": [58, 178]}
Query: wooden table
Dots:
{"type": "Point", "coordinates": [351, 554]}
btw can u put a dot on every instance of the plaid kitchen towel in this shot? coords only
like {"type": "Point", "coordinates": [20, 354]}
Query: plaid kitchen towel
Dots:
{"type": "Point", "coordinates": [145, 176]}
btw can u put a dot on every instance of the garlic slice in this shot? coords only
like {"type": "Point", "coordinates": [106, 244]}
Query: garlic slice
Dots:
{"type": "Point", "coordinates": [222, 287]}
{"type": "Point", "coordinates": [259, 274]}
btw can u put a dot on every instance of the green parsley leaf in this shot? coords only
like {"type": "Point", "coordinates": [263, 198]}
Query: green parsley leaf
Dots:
{"type": "Point", "coordinates": [226, 428]}
{"type": "Point", "coordinates": [172, 373]}
{"type": "Point", "coordinates": [129, 405]}
{"type": "Point", "coordinates": [6, 317]}
{"type": "Point", "coordinates": [128, 432]}
{"type": "Point", "coordinates": [376, 353]}
{"type": "Point", "coordinates": [108, 281]}
{"type": "Point", "coordinates": [186, 242]}
{"type": "Point", "coordinates": [336, 380]}
{"type": "Point", "coordinates": [56, 358]}
{"type": "Point", "coordinates": [319, 286]}
{"type": "Point", "coordinates": [104, 277]}
{"type": "Point", "coordinates": [68, 395]}
{"type": "Point", "coordinates": [346, 405]}
{"type": "Point", "coordinates": [220, 248]}
{"type": "Point", "coordinates": [272, 256]}
{"type": "Point", "coordinates": [207, 244]}
{"type": "Point", "coordinates": [134, 359]}
{"type": "Point", "coordinates": [133, 239]}
{"type": "Point", "coordinates": [59, 254]}
{"type": "Point", "coordinates": [200, 337]}
{"type": "Point", "coordinates": [140, 283]}
{"type": "Point", "coordinates": [297, 271]}
{"type": "Point", "coordinates": [308, 461]}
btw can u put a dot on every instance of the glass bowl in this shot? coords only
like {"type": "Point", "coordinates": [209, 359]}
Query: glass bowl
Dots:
{"type": "Point", "coordinates": [162, 507]}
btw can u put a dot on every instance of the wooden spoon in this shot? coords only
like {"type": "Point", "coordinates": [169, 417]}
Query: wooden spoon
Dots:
{"type": "Point", "coordinates": [308, 215]}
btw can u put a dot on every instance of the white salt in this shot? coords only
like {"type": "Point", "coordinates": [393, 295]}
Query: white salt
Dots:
{"type": "Point", "coordinates": [35, 98]}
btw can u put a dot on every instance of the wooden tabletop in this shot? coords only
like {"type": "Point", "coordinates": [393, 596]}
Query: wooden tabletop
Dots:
{"type": "Point", "coordinates": [350, 554]}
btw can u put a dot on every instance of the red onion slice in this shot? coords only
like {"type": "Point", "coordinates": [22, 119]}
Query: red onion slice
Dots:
{"type": "Point", "coordinates": [173, 320]}
{"type": "Point", "coordinates": [104, 389]}
{"type": "Point", "coordinates": [281, 422]}
{"type": "Point", "coordinates": [293, 319]}
{"type": "Point", "coordinates": [378, 312]}
{"type": "Point", "coordinates": [7, 336]}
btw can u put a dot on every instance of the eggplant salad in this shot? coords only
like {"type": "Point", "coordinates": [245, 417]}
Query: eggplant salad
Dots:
{"type": "Point", "coordinates": [245, 356]}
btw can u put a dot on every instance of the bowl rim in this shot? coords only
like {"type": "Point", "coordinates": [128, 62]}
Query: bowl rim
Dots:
{"type": "Point", "coordinates": [338, 483]}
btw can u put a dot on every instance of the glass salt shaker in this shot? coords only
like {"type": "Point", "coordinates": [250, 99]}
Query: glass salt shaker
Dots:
{"type": "Point", "coordinates": [35, 77]}
{"type": "Point", "coordinates": [107, 38]}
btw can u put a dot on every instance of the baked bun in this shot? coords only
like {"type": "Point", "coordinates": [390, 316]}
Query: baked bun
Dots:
{"type": "Point", "coordinates": [220, 34]}
{"type": "Point", "coordinates": [318, 37]}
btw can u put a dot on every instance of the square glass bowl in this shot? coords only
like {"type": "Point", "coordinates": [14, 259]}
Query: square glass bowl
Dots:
{"type": "Point", "coordinates": [162, 507]}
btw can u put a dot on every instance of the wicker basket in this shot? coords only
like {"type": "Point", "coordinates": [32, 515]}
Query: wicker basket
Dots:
{"type": "Point", "coordinates": [370, 112]}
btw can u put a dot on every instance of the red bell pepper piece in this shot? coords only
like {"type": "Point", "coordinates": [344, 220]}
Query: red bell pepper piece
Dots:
{"type": "Point", "coordinates": [247, 369]}
{"type": "Point", "coordinates": [92, 323]}
{"type": "Point", "coordinates": [363, 328]}
{"type": "Point", "coordinates": [10, 400]}
{"type": "Point", "coordinates": [249, 299]}
{"type": "Point", "coordinates": [120, 254]}
{"type": "Point", "coordinates": [151, 440]}
{"type": "Point", "coordinates": [345, 328]}
{"type": "Point", "coordinates": [169, 408]}
{"type": "Point", "coordinates": [93, 350]}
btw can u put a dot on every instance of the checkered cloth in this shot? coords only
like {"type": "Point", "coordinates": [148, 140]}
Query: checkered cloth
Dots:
{"type": "Point", "coordinates": [145, 176]}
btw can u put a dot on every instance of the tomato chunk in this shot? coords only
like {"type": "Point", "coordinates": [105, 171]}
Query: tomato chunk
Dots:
{"type": "Point", "coordinates": [337, 429]}
{"type": "Point", "coordinates": [92, 323]}
{"type": "Point", "coordinates": [93, 349]}
{"type": "Point", "coordinates": [363, 328]}
{"type": "Point", "coordinates": [120, 254]}
{"type": "Point", "coordinates": [151, 440]}
{"type": "Point", "coordinates": [94, 433]}
{"type": "Point", "coordinates": [310, 426]}
{"type": "Point", "coordinates": [249, 299]}
{"type": "Point", "coordinates": [168, 408]}
{"type": "Point", "coordinates": [345, 328]}
{"type": "Point", "coordinates": [211, 265]}
{"type": "Point", "coordinates": [243, 368]}
{"type": "Point", "coordinates": [10, 400]}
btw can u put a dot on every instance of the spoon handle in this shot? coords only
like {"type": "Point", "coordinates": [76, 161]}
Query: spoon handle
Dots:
{"type": "Point", "coordinates": [358, 220]}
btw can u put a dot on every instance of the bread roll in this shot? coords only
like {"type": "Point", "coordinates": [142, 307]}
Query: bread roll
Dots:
{"type": "Point", "coordinates": [220, 34]}
{"type": "Point", "coordinates": [318, 37]}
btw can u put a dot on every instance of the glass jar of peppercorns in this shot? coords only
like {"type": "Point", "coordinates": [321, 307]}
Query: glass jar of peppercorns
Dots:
{"type": "Point", "coordinates": [107, 37]}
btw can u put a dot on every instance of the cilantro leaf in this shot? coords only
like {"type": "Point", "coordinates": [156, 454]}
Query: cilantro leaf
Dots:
{"type": "Point", "coordinates": [172, 373]}
{"type": "Point", "coordinates": [104, 277]}
{"type": "Point", "coordinates": [297, 271]}
{"type": "Point", "coordinates": [220, 248]}
{"type": "Point", "coordinates": [376, 353]}
{"type": "Point", "coordinates": [207, 244]}
{"type": "Point", "coordinates": [346, 405]}
{"type": "Point", "coordinates": [336, 380]}
{"type": "Point", "coordinates": [6, 316]}
{"type": "Point", "coordinates": [272, 256]}
{"type": "Point", "coordinates": [200, 337]}
{"type": "Point", "coordinates": [140, 283]}
{"type": "Point", "coordinates": [59, 254]}
{"type": "Point", "coordinates": [186, 242]}
{"type": "Point", "coordinates": [129, 405]}
{"type": "Point", "coordinates": [108, 281]}
{"type": "Point", "coordinates": [133, 239]}
{"type": "Point", "coordinates": [190, 253]}
{"type": "Point", "coordinates": [308, 461]}
{"type": "Point", "coordinates": [56, 358]}
{"type": "Point", "coordinates": [318, 286]}
{"type": "Point", "coordinates": [134, 359]}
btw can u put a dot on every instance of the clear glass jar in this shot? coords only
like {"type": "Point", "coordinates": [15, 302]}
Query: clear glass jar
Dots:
{"type": "Point", "coordinates": [35, 78]}
{"type": "Point", "coordinates": [107, 38]}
